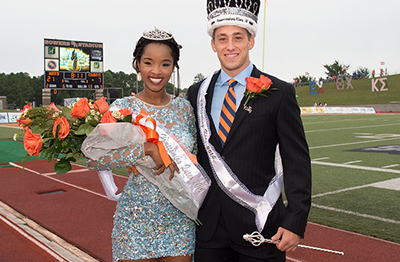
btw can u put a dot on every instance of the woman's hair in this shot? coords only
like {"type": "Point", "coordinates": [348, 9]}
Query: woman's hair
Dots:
{"type": "Point", "coordinates": [171, 43]}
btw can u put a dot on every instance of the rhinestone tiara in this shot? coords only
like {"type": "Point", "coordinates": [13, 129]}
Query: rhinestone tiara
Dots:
{"type": "Point", "coordinates": [157, 35]}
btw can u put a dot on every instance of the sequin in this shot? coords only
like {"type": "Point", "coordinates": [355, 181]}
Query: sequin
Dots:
{"type": "Point", "coordinates": [146, 224]}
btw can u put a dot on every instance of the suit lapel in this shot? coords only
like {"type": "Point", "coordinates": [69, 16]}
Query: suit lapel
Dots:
{"type": "Point", "coordinates": [214, 139]}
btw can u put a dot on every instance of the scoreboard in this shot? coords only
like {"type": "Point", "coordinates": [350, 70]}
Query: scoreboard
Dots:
{"type": "Point", "coordinates": [73, 64]}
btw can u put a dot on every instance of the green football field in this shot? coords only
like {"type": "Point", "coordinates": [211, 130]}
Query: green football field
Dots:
{"type": "Point", "coordinates": [356, 171]}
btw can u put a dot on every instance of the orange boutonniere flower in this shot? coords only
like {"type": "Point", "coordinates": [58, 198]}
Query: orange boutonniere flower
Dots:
{"type": "Point", "coordinates": [256, 87]}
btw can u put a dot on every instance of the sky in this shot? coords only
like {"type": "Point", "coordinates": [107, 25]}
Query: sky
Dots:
{"type": "Point", "coordinates": [300, 36]}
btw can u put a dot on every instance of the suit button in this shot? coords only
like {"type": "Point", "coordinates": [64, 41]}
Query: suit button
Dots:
{"type": "Point", "coordinates": [223, 158]}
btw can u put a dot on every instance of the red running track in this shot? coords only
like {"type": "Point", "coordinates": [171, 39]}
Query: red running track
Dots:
{"type": "Point", "coordinates": [74, 207]}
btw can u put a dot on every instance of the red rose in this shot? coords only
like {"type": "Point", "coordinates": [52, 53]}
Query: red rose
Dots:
{"type": "Point", "coordinates": [108, 118]}
{"type": "Point", "coordinates": [253, 84]}
{"type": "Point", "coordinates": [26, 107]}
{"type": "Point", "coordinates": [24, 122]}
{"type": "Point", "coordinates": [101, 105]}
{"type": "Point", "coordinates": [81, 108]}
{"type": "Point", "coordinates": [125, 111]}
{"type": "Point", "coordinates": [64, 127]}
{"type": "Point", "coordinates": [266, 82]}
{"type": "Point", "coordinates": [32, 143]}
{"type": "Point", "coordinates": [52, 105]}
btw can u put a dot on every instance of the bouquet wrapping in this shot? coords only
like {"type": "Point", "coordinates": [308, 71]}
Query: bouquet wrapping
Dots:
{"type": "Point", "coordinates": [186, 191]}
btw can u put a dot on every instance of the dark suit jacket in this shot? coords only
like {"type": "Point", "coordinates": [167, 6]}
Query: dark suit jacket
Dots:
{"type": "Point", "coordinates": [250, 152]}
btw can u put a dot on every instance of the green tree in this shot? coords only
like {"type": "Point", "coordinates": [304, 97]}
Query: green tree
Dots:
{"type": "Point", "coordinates": [197, 78]}
{"type": "Point", "coordinates": [336, 69]}
{"type": "Point", "coordinates": [302, 79]}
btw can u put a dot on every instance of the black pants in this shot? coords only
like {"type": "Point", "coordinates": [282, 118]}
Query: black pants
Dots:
{"type": "Point", "coordinates": [221, 249]}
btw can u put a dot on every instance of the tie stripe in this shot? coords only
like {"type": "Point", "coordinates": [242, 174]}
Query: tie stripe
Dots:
{"type": "Point", "coordinates": [228, 112]}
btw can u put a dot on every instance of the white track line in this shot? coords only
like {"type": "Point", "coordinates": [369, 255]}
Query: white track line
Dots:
{"type": "Point", "coordinates": [32, 239]}
{"type": "Point", "coordinates": [60, 181]}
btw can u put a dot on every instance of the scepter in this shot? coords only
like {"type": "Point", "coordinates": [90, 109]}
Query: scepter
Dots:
{"type": "Point", "coordinates": [257, 239]}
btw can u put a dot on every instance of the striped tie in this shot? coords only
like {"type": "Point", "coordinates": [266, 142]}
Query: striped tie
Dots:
{"type": "Point", "coordinates": [227, 113]}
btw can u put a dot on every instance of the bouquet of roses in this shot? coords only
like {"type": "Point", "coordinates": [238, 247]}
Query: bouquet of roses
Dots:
{"type": "Point", "coordinates": [58, 133]}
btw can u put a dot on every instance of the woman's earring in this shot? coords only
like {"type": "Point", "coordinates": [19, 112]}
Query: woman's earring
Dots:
{"type": "Point", "coordinates": [139, 77]}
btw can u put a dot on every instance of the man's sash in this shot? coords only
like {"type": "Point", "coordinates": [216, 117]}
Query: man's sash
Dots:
{"type": "Point", "coordinates": [261, 206]}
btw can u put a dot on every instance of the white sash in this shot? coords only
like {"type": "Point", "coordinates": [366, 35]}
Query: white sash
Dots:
{"type": "Point", "coordinates": [186, 191]}
{"type": "Point", "coordinates": [261, 206]}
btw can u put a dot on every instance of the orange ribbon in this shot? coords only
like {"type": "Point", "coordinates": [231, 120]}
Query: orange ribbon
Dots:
{"type": "Point", "coordinates": [152, 135]}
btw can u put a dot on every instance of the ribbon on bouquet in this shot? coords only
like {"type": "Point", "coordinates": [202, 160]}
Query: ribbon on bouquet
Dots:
{"type": "Point", "coordinates": [149, 125]}
{"type": "Point", "coordinates": [188, 188]}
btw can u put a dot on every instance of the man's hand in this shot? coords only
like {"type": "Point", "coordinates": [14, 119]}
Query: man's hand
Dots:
{"type": "Point", "coordinates": [288, 240]}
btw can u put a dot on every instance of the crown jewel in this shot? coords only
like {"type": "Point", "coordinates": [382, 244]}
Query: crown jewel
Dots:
{"type": "Point", "coordinates": [157, 35]}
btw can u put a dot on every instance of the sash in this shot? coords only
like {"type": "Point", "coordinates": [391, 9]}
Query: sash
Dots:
{"type": "Point", "coordinates": [186, 191]}
{"type": "Point", "coordinates": [261, 206]}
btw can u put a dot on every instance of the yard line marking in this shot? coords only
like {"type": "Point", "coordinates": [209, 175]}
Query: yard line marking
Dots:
{"type": "Point", "coordinates": [347, 128]}
{"type": "Point", "coordinates": [352, 162]}
{"type": "Point", "coordinates": [357, 167]}
{"type": "Point", "coordinates": [393, 184]}
{"type": "Point", "coordinates": [356, 214]}
{"type": "Point", "coordinates": [322, 158]}
{"type": "Point", "coordinates": [354, 143]}
{"type": "Point", "coordinates": [390, 166]}
{"type": "Point", "coordinates": [364, 134]}
{"type": "Point", "coordinates": [32, 239]}
{"type": "Point", "coordinates": [340, 191]}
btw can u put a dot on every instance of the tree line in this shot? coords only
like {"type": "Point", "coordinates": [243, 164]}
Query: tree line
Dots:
{"type": "Point", "coordinates": [21, 88]}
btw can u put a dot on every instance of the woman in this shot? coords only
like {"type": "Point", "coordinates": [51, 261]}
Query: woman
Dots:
{"type": "Point", "coordinates": [147, 227]}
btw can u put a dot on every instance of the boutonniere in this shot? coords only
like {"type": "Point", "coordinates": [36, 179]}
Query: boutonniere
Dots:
{"type": "Point", "coordinates": [256, 87]}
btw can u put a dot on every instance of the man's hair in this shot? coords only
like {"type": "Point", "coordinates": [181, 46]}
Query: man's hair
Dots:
{"type": "Point", "coordinates": [248, 34]}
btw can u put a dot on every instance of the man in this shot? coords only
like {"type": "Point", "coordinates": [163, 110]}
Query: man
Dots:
{"type": "Point", "coordinates": [245, 195]}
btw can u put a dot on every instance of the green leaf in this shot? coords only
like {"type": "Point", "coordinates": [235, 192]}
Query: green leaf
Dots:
{"type": "Point", "coordinates": [67, 114]}
{"type": "Point", "coordinates": [89, 130]}
{"type": "Point", "coordinates": [82, 129]}
{"type": "Point", "coordinates": [128, 118]}
{"type": "Point", "coordinates": [62, 166]}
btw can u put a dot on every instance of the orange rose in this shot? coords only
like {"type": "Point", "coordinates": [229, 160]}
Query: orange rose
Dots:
{"type": "Point", "coordinates": [101, 105]}
{"type": "Point", "coordinates": [266, 82]}
{"type": "Point", "coordinates": [108, 118]}
{"type": "Point", "coordinates": [32, 143]}
{"type": "Point", "coordinates": [26, 107]}
{"type": "Point", "coordinates": [253, 84]}
{"type": "Point", "coordinates": [125, 111]}
{"type": "Point", "coordinates": [24, 122]}
{"type": "Point", "coordinates": [64, 127]}
{"type": "Point", "coordinates": [52, 105]}
{"type": "Point", "coordinates": [81, 108]}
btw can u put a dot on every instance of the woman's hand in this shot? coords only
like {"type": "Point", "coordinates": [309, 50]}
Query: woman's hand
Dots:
{"type": "Point", "coordinates": [151, 149]}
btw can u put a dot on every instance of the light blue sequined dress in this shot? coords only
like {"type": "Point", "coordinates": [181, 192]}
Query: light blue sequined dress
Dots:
{"type": "Point", "coordinates": [146, 224]}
